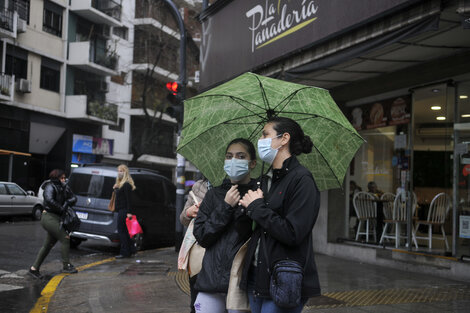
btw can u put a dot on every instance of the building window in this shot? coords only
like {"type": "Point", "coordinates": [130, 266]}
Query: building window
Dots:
{"type": "Point", "coordinates": [50, 75]}
{"type": "Point", "coordinates": [52, 19]}
{"type": "Point", "coordinates": [119, 127]}
{"type": "Point", "coordinates": [16, 62]}
{"type": "Point", "coordinates": [121, 32]}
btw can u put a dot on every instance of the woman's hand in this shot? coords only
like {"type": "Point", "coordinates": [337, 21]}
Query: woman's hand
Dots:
{"type": "Point", "coordinates": [233, 196]}
{"type": "Point", "coordinates": [251, 196]}
{"type": "Point", "coordinates": [116, 186]}
{"type": "Point", "coordinates": [191, 212]}
{"type": "Point", "coordinates": [129, 215]}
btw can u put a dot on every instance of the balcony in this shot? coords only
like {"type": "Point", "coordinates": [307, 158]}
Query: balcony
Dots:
{"type": "Point", "coordinates": [8, 23]}
{"type": "Point", "coordinates": [98, 11]}
{"type": "Point", "coordinates": [7, 87]}
{"type": "Point", "coordinates": [85, 56]}
{"type": "Point", "coordinates": [78, 107]}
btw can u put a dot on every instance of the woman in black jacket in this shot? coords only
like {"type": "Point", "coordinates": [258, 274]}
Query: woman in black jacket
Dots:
{"type": "Point", "coordinates": [57, 196]}
{"type": "Point", "coordinates": [222, 228]}
{"type": "Point", "coordinates": [123, 188]}
{"type": "Point", "coordinates": [284, 216]}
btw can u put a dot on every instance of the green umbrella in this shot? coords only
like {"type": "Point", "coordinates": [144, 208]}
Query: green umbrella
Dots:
{"type": "Point", "coordinates": [241, 107]}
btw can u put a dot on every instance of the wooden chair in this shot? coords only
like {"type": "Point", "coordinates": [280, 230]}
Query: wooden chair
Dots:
{"type": "Point", "coordinates": [437, 214]}
{"type": "Point", "coordinates": [399, 217]}
{"type": "Point", "coordinates": [366, 212]}
{"type": "Point", "coordinates": [388, 199]}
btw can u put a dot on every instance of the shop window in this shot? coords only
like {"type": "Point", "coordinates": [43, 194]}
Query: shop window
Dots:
{"type": "Point", "coordinates": [52, 19]}
{"type": "Point", "coordinates": [50, 75]}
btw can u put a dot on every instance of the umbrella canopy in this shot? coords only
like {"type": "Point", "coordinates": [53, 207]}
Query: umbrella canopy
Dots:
{"type": "Point", "coordinates": [241, 107]}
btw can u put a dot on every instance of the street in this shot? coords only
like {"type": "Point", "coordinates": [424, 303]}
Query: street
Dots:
{"type": "Point", "coordinates": [150, 282]}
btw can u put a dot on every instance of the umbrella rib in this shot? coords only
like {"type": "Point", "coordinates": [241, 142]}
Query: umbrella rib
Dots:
{"type": "Point", "coordinates": [289, 98]}
{"type": "Point", "coordinates": [329, 167]}
{"type": "Point", "coordinates": [231, 97]}
{"type": "Point", "coordinates": [263, 93]}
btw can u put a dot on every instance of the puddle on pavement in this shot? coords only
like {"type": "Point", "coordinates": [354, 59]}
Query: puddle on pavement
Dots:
{"type": "Point", "coordinates": [24, 299]}
{"type": "Point", "coordinates": [150, 267]}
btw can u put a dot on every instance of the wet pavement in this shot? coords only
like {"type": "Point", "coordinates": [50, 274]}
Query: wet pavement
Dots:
{"type": "Point", "coordinates": [150, 282]}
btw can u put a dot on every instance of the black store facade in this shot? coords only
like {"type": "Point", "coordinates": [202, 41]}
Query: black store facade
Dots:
{"type": "Point", "coordinates": [400, 71]}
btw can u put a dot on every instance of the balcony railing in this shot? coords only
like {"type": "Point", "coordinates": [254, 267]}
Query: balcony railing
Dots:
{"type": "Point", "coordinates": [7, 19]}
{"type": "Point", "coordinates": [103, 58]}
{"type": "Point", "coordinates": [104, 111]}
{"type": "Point", "coordinates": [6, 86]}
{"type": "Point", "coordinates": [109, 7]}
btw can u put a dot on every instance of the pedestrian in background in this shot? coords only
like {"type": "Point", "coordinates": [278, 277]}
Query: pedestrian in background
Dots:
{"type": "Point", "coordinates": [284, 217]}
{"type": "Point", "coordinates": [191, 207]}
{"type": "Point", "coordinates": [222, 227]}
{"type": "Point", "coordinates": [57, 196]}
{"type": "Point", "coordinates": [123, 188]}
{"type": "Point", "coordinates": [372, 188]}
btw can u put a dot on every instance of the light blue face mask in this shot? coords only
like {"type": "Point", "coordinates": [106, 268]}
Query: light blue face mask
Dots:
{"type": "Point", "coordinates": [265, 151]}
{"type": "Point", "coordinates": [236, 169]}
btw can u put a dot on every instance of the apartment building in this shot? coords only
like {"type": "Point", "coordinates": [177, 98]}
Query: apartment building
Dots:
{"type": "Point", "coordinates": [67, 94]}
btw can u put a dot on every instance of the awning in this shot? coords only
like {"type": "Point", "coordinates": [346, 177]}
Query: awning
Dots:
{"type": "Point", "coordinates": [9, 152]}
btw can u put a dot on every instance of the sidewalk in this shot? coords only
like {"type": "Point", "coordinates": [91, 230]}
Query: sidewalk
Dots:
{"type": "Point", "coordinates": [150, 282]}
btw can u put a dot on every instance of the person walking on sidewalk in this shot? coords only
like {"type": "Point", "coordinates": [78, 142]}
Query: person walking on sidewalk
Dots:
{"type": "Point", "coordinates": [284, 217]}
{"type": "Point", "coordinates": [222, 228]}
{"type": "Point", "coordinates": [191, 207]}
{"type": "Point", "coordinates": [123, 188]}
{"type": "Point", "coordinates": [57, 196]}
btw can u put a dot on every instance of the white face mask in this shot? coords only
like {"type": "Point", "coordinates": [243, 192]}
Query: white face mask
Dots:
{"type": "Point", "coordinates": [236, 169]}
{"type": "Point", "coordinates": [120, 175]}
{"type": "Point", "coordinates": [265, 151]}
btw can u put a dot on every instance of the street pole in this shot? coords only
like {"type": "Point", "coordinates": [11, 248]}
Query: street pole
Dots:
{"type": "Point", "coordinates": [180, 168]}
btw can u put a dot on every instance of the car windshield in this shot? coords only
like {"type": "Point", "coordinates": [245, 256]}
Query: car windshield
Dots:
{"type": "Point", "coordinates": [95, 186]}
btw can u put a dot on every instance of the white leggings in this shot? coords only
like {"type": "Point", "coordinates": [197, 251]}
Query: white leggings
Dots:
{"type": "Point", "coordinates": [212, 303]}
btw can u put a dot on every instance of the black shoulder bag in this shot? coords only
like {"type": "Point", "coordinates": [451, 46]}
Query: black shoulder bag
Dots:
{"type": "Point", "coordinates": [69, 220]}
{"type": "Point", "coordinates": [285, 286]}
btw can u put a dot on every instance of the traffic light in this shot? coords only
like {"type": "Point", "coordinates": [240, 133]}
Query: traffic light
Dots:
{"type": "Point", "coordinates": [175, 110]}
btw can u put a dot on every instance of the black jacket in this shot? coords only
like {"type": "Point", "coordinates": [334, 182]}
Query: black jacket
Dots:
{"type": "Point", "coordinates": [286, 217]}
{"type": "Point", "coordinates": [57, 197]}
{"type": "Point", "coordinates": [222, 230]}
{"type": "Point", "coordinates": [123, 198]}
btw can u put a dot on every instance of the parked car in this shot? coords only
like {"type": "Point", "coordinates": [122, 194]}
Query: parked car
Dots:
{"type": "Point", "coordinates": [153, 202]}
{"type": "Point", "coordinates": [15, 201]}
{"type": "Point", "coordinates": [41, 190]}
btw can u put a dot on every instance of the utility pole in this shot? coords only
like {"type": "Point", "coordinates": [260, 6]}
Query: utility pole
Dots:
{"type": "Point", "coordinates": [180, 168]}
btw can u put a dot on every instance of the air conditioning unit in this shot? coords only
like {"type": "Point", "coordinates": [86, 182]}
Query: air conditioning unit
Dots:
{"type": "Point", "coordinates": [104, 86]}
{"type": "Point", "coordinates": [21, 26]}
{"type": "Point", "coordinates": [23, 85]}
{"type": "Point", "coordinates": [104, 31]}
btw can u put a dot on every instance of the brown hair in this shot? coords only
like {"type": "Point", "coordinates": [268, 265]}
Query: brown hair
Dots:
{"type": "Point", "coordinates": [56, 174]}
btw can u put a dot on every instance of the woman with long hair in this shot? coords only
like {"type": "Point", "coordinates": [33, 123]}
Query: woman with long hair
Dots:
{"type": "Point", "coordinates": [57, 196]}
{"type": "Point", "coordinates": [123, 188]}
{"type": "Point", "coordinates": [284, 217]}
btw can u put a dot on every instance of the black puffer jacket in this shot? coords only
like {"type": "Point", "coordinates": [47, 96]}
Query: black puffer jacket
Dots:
{"type": "Point", "coordinates": [57, 197]}
{"type": "Point", "coordinates": [222, 230]}
{"type": "Point", "coordinates": [285, 217]}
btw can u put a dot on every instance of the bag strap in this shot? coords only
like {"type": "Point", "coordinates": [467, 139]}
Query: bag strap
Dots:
{"type": "Point", "coordinates": [263, 238]}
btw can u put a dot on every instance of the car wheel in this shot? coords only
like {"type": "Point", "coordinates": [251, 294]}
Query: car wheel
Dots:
{"type": "Point", "coordinates": [75, 242]}
{"type": "Point", "coordinates": [37, 212]}
{"type": "Point", "coordinates": [138, 241]}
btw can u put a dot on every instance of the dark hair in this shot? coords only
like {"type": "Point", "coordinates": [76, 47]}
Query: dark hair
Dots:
{"type": "Point", "coordinates": [56, 174]}
{"type": "Point", "coordinates": [248, 145]}
{"type": "Point", "coordinates": [299, 142]}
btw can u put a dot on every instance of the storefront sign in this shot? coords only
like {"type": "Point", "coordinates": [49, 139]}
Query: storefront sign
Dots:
{"type": "Point", "coordinates": [92, 145]}
{"type": "Point", "coordinates": [245, 34]}
{"type": "Point", "coordinates": [383, 113]}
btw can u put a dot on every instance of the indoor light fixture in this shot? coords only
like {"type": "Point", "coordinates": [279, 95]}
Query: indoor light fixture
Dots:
{"type": "Point", "coordinates": [463, 97]}
{"type": "Point", "coordinates": [435, 90]}
{"type": "Point", "coordinates": [435, 108]}
{"type": "Point", "coordinates": [465, 115]}
{"type": "Point", "coordinates": [441, 118]}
